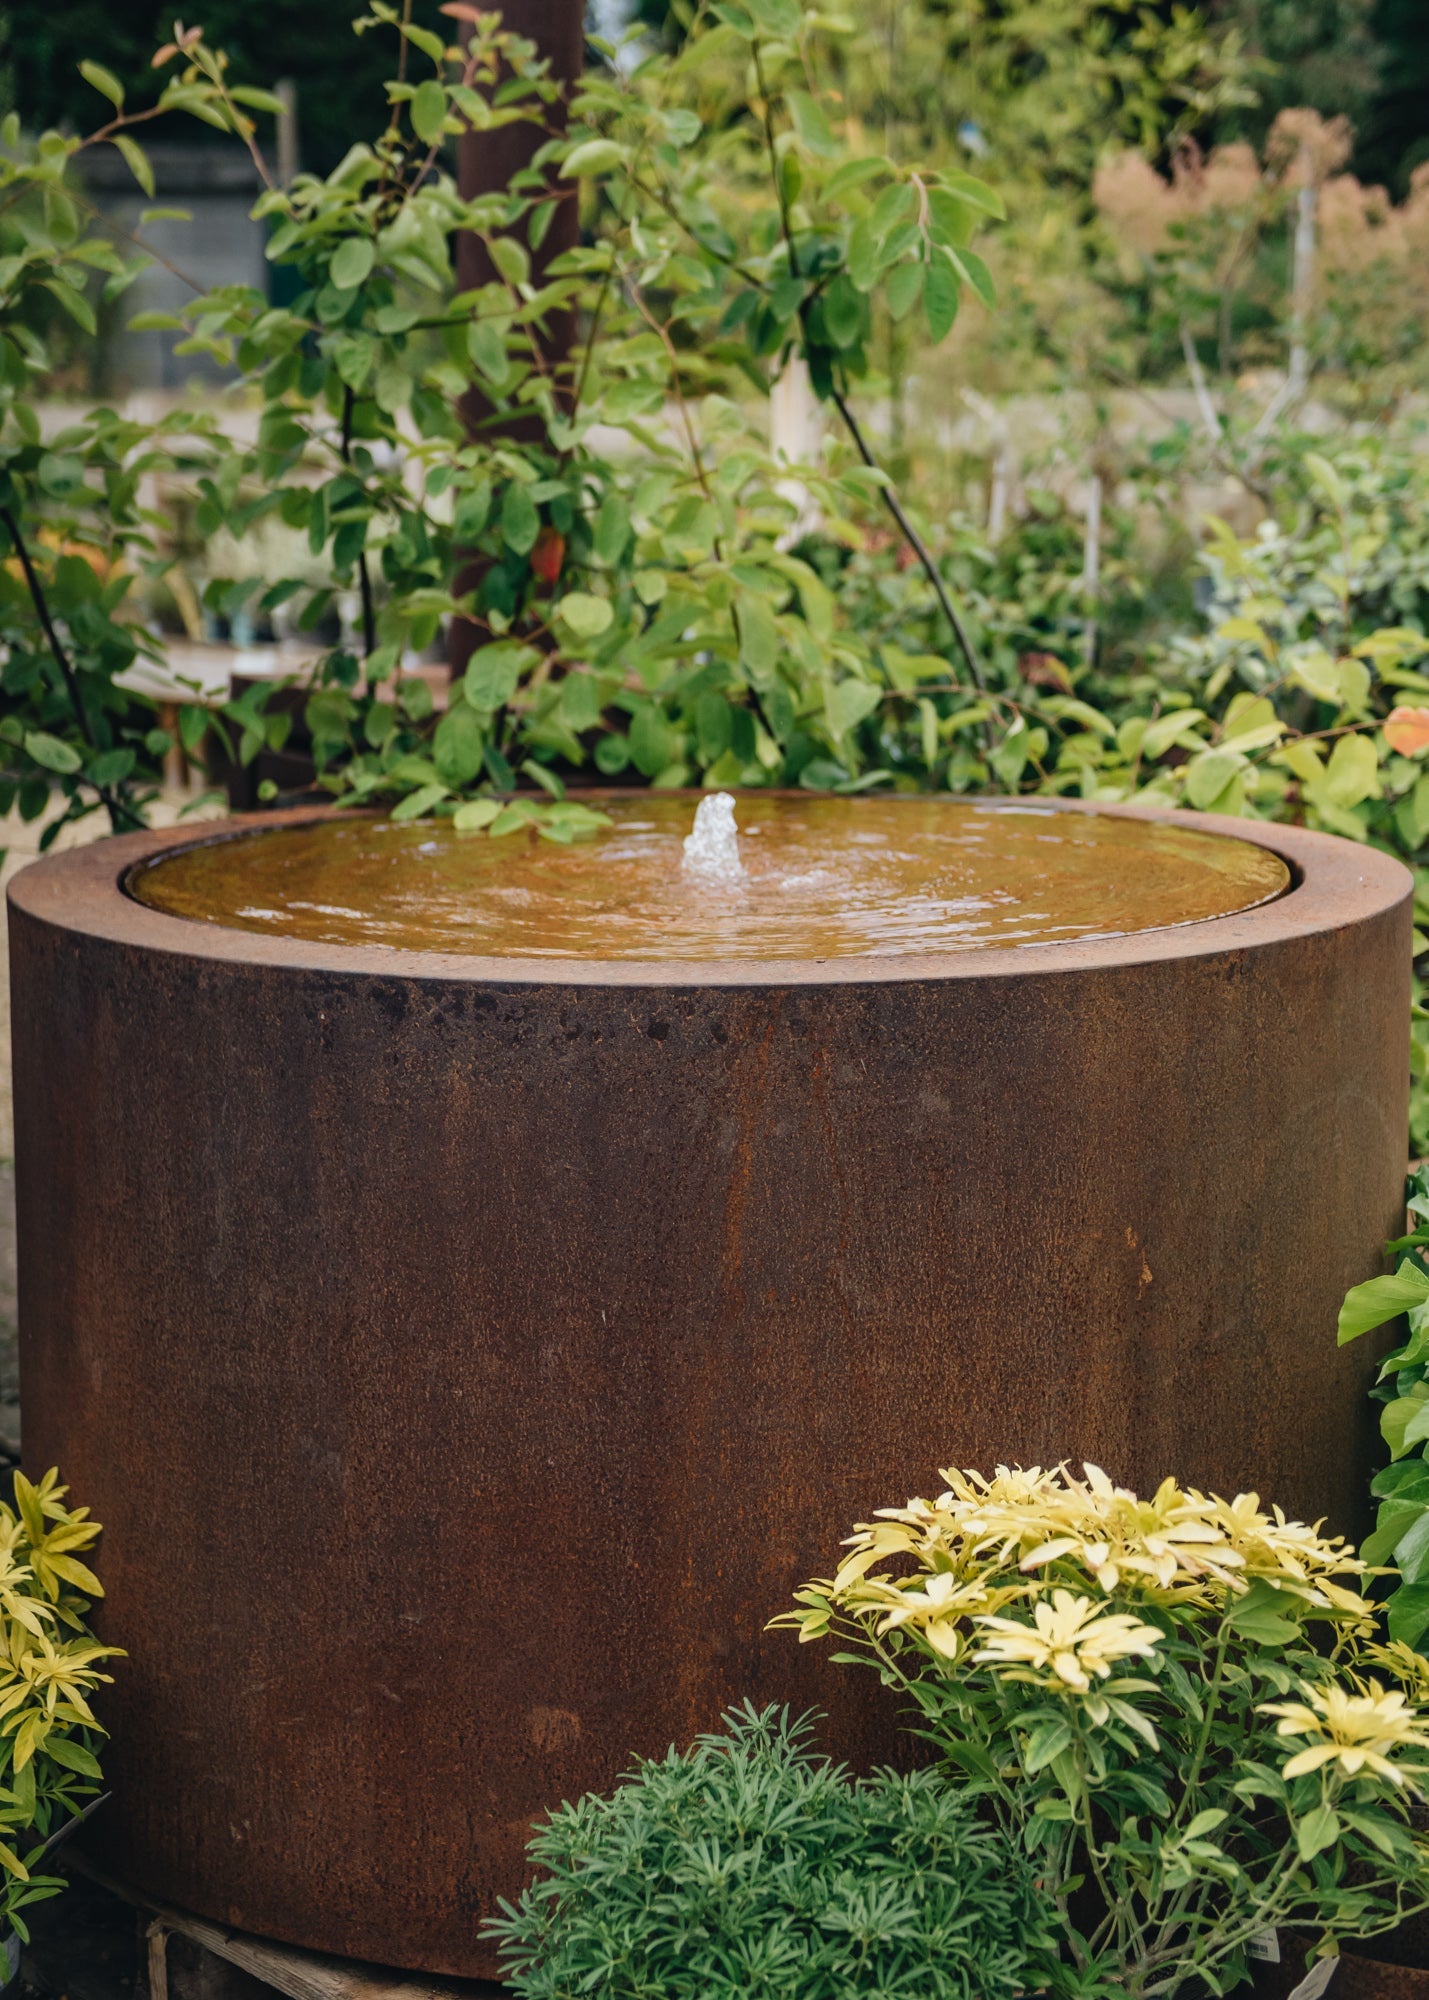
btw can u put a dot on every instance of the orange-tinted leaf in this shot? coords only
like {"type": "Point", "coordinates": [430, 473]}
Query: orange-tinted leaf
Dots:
{"type": "Point", "coordinates": [548, 554]}
{"type": "Point", "coordinates": [1407, 731]}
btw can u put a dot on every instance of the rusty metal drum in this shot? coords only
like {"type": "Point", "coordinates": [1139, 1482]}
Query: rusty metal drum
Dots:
{"type": "Point", "coordinates": [468, 1356]}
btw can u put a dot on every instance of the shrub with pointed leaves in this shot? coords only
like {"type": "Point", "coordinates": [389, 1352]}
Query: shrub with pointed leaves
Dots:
{"type": "Point", "coordinates": [50, 1664]}
{"type": "Point", "coordinates": [1178, 1706]}
{"type": "Point", "coordinates": [751, 1865]}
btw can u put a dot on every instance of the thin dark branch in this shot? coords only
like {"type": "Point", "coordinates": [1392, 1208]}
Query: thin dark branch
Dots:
{"type": "Point", "coordinates": [778, 178]}
{"type": "Point", "coordinates": [890, 498]}
{"type": "Point", "coordinates": [118, 810]}
{"type": "Point", "coordinates": [916, 543]}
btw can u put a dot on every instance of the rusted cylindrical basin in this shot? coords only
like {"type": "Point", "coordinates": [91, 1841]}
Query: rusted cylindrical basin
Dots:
{"type": "Point", "coordinates": [467, 1356]}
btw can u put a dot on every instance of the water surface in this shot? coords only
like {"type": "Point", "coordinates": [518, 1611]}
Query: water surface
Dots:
{"type": "Point", "coordinates": [824, 878]}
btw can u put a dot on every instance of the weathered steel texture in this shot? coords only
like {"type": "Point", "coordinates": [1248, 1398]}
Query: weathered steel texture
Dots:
{"type": "Point", "coordinates": [467, 1359]}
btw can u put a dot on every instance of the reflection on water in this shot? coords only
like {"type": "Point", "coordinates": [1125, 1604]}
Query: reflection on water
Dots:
{"type": "Point", "coordinates": [822, 878]}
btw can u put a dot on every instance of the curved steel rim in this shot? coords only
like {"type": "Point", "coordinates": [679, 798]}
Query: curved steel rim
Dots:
{"type": "Point", "coordinates": [1336, 883]}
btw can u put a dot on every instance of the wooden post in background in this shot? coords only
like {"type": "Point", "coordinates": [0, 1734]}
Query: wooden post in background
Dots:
{"type": "Point", "coordinates": [486, 162]}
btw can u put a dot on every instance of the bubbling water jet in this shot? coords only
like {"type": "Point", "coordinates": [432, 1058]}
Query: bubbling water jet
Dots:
{"type": "Point", "coordinates": [712, 848]}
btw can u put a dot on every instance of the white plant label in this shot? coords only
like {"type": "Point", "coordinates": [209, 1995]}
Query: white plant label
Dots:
{"type": "Point", "coordinates": [1315, 1980]}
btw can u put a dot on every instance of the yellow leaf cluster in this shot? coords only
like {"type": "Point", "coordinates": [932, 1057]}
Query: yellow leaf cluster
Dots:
{"type": "Point", "coordinates": [1047, 1545]}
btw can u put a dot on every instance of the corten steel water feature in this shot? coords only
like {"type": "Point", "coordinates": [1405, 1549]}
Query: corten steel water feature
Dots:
{"type": "Point", "coordinates": [468, 1356]}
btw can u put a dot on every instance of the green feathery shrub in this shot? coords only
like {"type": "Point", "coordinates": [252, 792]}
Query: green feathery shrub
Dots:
{"type": "Point", "coordinates": [751, 1866]}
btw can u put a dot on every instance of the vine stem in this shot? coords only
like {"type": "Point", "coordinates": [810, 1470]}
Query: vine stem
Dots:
{"type": "Point", "coordinates": [116, 807]}
{"type": "Point", "coordinates": [915, 542]}
{"type": "Point", "coordinates": [890, 498]}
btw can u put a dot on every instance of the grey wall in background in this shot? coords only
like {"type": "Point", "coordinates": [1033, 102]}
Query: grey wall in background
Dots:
{"type": "Point", "coordinates": [220, 244]}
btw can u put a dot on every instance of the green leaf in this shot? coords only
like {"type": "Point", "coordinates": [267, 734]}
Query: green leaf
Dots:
{"type": "Point", "coordinates": [419, 802]}
{"type": "Point", "coordinates": [1352, 774]}
{"type": "Point", "coordinates": [1325, 477]}
{"type": "Point", "coordinates": [51, 753]}
{"type": "Point", "coordinates": [352, 263]}
{"type": "Point", "coordinates": [903, 289]}
{"type": "Point", "coordinates": [475, 814]}
{"type": "Point", "coordinates": [976, 193]}
{"type": "Point", "coordinates": [72, 1756]}
{"type": "Point", "coordinates": [973, 270]}
{"type": "Point", "coordinates": [586, 615]}
{"type": "Point", "coordinates": [520, 523]}
{"type": "Point", "coordinates": [429, 112]}
{"type": "Point", "coordinates": [1409, 1614]}
{"type": "Point", "coordinates": [459, 745]}
{"type": "Point", "coordinates": [104, 81]}
{"type": "Point", "coordinates": [257, 100]}
{"type": "Point", "coordinates": [941, 292]}
{"type": "Point", "coordinates": [1411, 1551]}
{"type": "Point", "coordinates": [612, 529]}
{"type": "Point", "coordinates": [594, 156]}
{"type": "Point", "coordinates": [1208, 775]}
{"type": "Point", "coordinates": [1319, 1829]}
{"type": "Point", "coordinates": [59, 473]}
{"type": "Point", "coordinates": [1370, 1305]}
{"type": "Point", "coordinates": [843, 311]}
{"type": "Point", "coordinates": [510, 259]}
{"type": "Point", "coordinates": [1396, 1417]}
{"type": "Point", "coordinates": [488, 350]}
{"type": "Point", "coordinates": [853, 174]}
{"type": "Point", "coordinates": [780, 18]}
{"type": "Point", "coordinates": [73, 301]}
{"type": "Point", "coordinates": [1046, 1742]}
{"type": "Point", "coordinates": [810, 123]}
{"type": "Point", "coordinates": [493, 672]}
{"type": "Point", "coordinates": [1260, 1615]}
{"type": "Point", "coordinates": [848, 702]}
{"type": "Point", "coordinates": [137, 161]}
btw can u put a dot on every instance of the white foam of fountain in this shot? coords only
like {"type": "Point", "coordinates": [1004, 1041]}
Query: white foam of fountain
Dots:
{"type": "Point", "coordinates": [712, 849]}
